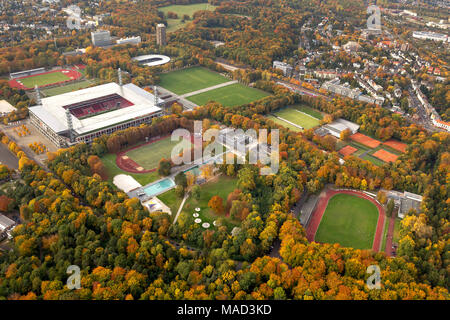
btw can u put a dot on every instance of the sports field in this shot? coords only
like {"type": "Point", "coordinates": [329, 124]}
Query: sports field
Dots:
{"type": "Point", "coordinates": [365, 140]}
{"type": "Point", "coordinates": [44, 79]}
{"type": "Point", "coordinates": [297, 117]}
{"type": "Point", "coordinates": [348, 220]}
{"type": "Point", "coordinates": [284, 123]}
{"type": "Point", "coordinates": [67, 88]}
{"type": "Point", "coordinates": [149, 155]}
{"type": "Point", "coordinates": [190, 80]}
{"type": "Point", "coordinates": [229, 96]}
{"type": "Point", "coordinates": [180, 10]}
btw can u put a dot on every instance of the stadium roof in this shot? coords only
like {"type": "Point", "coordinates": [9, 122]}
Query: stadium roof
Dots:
{"type": "Point", "coordinates": [151, 60]}
{"type": "Point", "coordinates": [53, 113]}
{"type": "Point", "coordinates": [6, 107]}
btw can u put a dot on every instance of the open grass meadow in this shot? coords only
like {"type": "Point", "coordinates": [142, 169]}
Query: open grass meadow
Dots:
{"type": "Point", "coordinates": [229, 96]}
{"type": "Point", "coordinates": [180, 10]}
{"type": "Point", "coordinates": [190, 80]}
{"type": "Point", "coordinates": [350, 221]}
{"type": "Point", "coordinates": [44, 79]}
{"type": "Point", "coordinates": [149, 155]}
{"type": "Point", "coordinates": [113, 170]}
{"type": "Point", "coordinates": [171, 200]}
{"type": "Point", "coordinates": [221, 187]}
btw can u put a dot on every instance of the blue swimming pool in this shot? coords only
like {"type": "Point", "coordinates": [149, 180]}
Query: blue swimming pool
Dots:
{"type": "Point", "coordinates": [159, 187]}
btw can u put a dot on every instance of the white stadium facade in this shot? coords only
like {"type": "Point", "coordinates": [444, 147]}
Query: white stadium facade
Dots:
{"type": "Point", "coordinates": [83, 115]}
{"type": "Point", "coordinates": [152, 60]}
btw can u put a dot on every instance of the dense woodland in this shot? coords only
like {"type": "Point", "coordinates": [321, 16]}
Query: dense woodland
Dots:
{"type": "Point", "coordinates": [73, 216]}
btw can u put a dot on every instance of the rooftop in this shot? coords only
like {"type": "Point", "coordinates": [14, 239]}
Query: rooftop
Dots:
{"type": "Point", "coordinates": [53, 112]}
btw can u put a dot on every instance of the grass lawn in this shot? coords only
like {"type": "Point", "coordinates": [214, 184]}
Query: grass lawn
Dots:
{"type": "Point", "coordinates": [385, 231]}
{"type": "Point", "coordinates": [308, 110]}
{"type": "Point", "coordinates": [44, 79]}
{"type": "Point", "coordinates": [68, 88]}
{"type": "Point", "coordinates": [222, 188]}
{"type": "Point", "coordinates": [350, 221]}
{"type": "Point", "coordinates": [171, 200]}
{"type": "Point", "coordinates": [190, 80]}
{"type": "Point", "coordinates": [112, 169]}
{"type": "Point", "coordinates": [298, 118]}
{"type": "Point", "coordinates": [283, 123]}
{"type": "Point", "coordinates": [374, 160]}
{"type": "Point", "coordinates": [229, 96]}
{"type": "Point", "coordinates": [148, 156]}
{"type": "Point", "coordinates": [180, 10]}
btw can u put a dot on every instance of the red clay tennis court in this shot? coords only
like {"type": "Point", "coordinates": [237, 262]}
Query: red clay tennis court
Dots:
{"type": "Point", "coordinates": [365, 140]}
{"type": "Point", "coordinates": [397, 145]}
{"type": "Point", "coordinates": [347, 150]}
{"type": "Point", "coordinates": [385, 156]}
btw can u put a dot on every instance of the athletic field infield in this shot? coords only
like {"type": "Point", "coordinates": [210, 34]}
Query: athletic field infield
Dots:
{"type": "Point", "coordinates": [348, 220]}
{"type": "Point", "coordinates": [149, 155]}
{"type": "Point", "coordinates": [190, 80]}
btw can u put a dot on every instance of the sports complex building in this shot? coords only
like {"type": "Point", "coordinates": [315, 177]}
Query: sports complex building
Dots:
{"type": "Point", "coordinates": [83, 115]}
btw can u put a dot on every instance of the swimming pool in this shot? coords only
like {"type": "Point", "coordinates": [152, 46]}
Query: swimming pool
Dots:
{"type": "Point", "coordinates": [159, 187]}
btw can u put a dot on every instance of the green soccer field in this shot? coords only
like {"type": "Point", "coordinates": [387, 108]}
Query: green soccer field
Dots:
{"type": "Point", "coordinates": [190, 80]}
{"type": "Point", "coordinates": [148, 156]}
{"type": "Point", "coordinates": [350, 221]}
{"type": "Point", "coordinates": [44, 79]}
{"type": "Point", "coordinates": [284, 123]}
{"type": "Point", "coordinates": [295, 116]}
{"type": "Point", "coordinates": [67, 88]}
{"type": "Point", "coordinates": [229, 96]}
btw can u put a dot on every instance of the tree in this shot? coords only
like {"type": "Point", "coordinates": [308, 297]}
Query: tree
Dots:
{"type": "Point", "coordinates": [179, 191]}
{"type": "Point", "coordinates": [196, 192]}
{"type": "Point", "coordinates": [181, 180]}
{"type": "Point", "coordinates": [390, 207]}
{"type": "Point", "coordinates": [345, 134]}
{"type": "Point", "coordinates": [164, 167]}
{"type": "Point", "coordinates": [216, 204]}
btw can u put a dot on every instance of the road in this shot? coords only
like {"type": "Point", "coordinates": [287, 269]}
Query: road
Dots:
{"type": "Point", "coordinates": [7, 158]}
{"type": "Point", "coordinates": [193, 93]}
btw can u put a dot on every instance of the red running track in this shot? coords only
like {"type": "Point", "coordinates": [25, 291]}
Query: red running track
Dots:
{"type": "Point", "coordinates": [322, 205]}
{"type": "Point", "coordinates": [71, 73]}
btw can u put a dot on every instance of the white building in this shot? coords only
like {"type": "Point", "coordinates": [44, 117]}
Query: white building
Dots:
{"type": "Point", "coordinates": [430, 36]}
{"type": "Point", "coordinates": [336, 127]}
{"type": "Point", "coordinates": [101, 38]}
{"type": "Point", "coordinates": [130, 40]}
{"type": "Point", "coordinates": [285, 67]}
{"type": "Point", "coordinates": [441, 124]}
{"type": "Point", "coordinates": [5, 108]}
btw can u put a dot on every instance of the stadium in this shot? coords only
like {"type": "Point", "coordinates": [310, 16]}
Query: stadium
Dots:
{"type": "Point", "coordinates": [152, 60]}
{"type": "Point", "coordinates": [86, 114]}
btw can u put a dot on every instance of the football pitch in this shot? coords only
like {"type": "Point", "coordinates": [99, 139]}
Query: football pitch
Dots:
{"type": "Point", "coordinates": [297, 117]}
{"type": "Point", "coordinates": [149, 155]}
{"type": "Point", "coordinates": [190, 80]}
{"type": "Point", "coordinates": [44, 79]}
{"type": "Point", "coordinates": [229, 96]}
{"type": "Point", "coordinates": [67, 88]}
{"type": "Point", "coordinates": [350, 221]}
